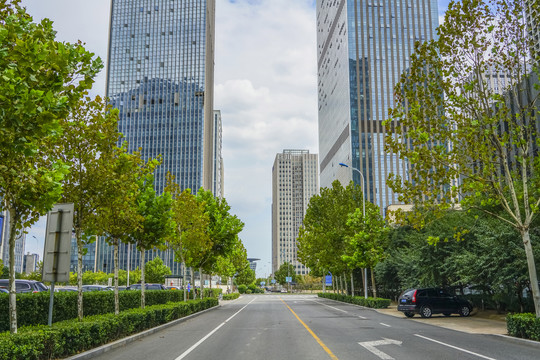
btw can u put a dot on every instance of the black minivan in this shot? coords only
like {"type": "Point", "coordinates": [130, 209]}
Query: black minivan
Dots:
{"type": "Point", "coordinates": [429, 301]}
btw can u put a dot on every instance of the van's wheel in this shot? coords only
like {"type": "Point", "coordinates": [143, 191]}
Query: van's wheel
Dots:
{"type": "Point", "coordinates": [409, 314]}
{"type": "Point", "coordinates": [464, 311]}
{"type": "Point", "coordinates": [426, 311]}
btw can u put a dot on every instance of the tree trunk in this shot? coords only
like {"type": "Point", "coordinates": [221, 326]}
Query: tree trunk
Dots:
{"type": "Point", "coordinates": [346, 288]}
{"type": "Point", "coordinates": [373, 283]}
{"type": "Point", "coordinates": [352, 283]}
{"type": "Point", "coordinates": [532, 270]}
{"type": "Point", "coordinates": [333, 284]}
{"type": "Point", "coordinates": [364, 282]}
{"type": "Point", "coordinates": [324, 284]}
{"type": "Point", "coordinates": [143, 282]}
{"type": "Point", "coordinates": [116, 300]}
{"type": "Point", "coordinates": [184, 286]}
{"type": "Point", "coordinates": [79, 274]}
{"type": "Point", "coordinates": [12, 289]}
{"type": "Point", "coordinates": [202, 286]}
{"type": "Point", "coordinates": [193, 279]}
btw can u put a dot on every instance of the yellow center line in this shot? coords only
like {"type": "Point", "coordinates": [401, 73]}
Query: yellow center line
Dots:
{"type": "Point", "coordinates": [332, 356]}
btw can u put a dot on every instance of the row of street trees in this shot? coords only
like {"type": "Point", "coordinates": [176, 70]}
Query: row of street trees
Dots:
{"type": "Point", "coordinates": [336, 238]}
{"type": "Point", "coordinates": [59, 145]}
{"type": "Point", "coordinates": [467, 136]}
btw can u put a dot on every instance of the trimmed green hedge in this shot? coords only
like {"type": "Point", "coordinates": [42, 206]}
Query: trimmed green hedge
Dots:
{"type": "Point", "coordinates": [526, 326]}
{"type": "Point", "coordinates": [67, 338]}
{"type": "Point", "coordinates": [33, 309]}
{"type": "Point", "coordinates": [376, 303]}
{"type": "Point", "coordinates": [231, 296]}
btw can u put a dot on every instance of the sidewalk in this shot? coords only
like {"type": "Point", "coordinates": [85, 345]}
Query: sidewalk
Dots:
{"type": "Point", "coordinates": [480, 322]}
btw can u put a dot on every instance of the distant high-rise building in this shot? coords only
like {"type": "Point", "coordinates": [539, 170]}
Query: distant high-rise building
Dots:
{"type": "Point", "coordinates": [218, 172]}
{"type": "Point", "coordinates": [20, 243]}
{"type": "Point", "coordinates": [294, 181]}
{"type": "Point", "coordinates": [160, 76]}
{"type": "Point", "coordinates": [362, 49]}
{"type": "Point", "coordinates": [30, 263]}
{"type": "Point", "coordinates": [533, 17]}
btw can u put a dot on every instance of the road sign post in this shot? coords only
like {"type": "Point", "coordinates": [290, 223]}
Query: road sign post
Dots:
{"type": "Point", "coordinates": [57, 254]}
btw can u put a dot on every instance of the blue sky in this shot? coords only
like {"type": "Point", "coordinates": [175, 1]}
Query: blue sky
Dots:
{"type": "Point", "coordinates": [265, 87]}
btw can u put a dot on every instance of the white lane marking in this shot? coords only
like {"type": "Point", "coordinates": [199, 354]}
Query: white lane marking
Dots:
{"type": "Point", "coordinates": [186, 353]}
{"type": "Point", "coordinates": [361, 317]}
{"type": "Point", "coordinates": [370, 345]}
{"type": "Point", "coordinates": [335, 308]}
{"type": "Point", "coordinates": [454, 347]}
{"type": "Point", "coordinates": [383, 324]}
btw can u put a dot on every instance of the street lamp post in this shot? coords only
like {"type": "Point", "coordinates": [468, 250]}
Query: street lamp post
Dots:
{"type": "Point", "coordinates": [363, 218]}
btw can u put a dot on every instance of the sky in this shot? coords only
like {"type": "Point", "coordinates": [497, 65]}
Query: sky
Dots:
{"type": "Point", "coordinates": [265, 87]}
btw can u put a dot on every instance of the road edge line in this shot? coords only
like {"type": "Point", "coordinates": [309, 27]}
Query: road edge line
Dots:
{"type": "Point", "coordinates": [89, 354]}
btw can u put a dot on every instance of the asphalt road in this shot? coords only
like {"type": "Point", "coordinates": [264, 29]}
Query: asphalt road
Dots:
{"type": "Point", "coordinates": [307, 327]}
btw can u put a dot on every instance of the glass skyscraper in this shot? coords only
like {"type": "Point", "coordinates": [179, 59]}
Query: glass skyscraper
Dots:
{"type": "Point", "coordinates": [363, 46]}
{"type": "Point", "coordinates": [160, 76]}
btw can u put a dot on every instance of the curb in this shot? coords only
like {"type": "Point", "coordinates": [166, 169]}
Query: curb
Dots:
{"type": "Point", "coordinates": [89, 354]}
{"type": "Point", "coordinates": [519, 340]}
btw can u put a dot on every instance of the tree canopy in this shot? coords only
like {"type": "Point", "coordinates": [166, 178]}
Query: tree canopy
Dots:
{"type": "Point", "coordinates": [467, 136]}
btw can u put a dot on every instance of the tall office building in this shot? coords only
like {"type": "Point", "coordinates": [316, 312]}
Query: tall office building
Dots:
{"type": "Point", "coordinates": [533, 17]}
{"type": "Point", "coordinates": [218, 186]}
{"type": "Point", "coordinates": [30, 263]}
{"type": "Point", "coordinates": [363, 46]}
{"type": "Point", "coordinates": [20, 243]}
{"type": "Point", "coordinates": [160, 76]}
{"type": "Point", "coordinates": [294, 181]}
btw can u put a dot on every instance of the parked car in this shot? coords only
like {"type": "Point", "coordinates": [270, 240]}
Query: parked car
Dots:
{"type": "Point", "coordinates": [66, 289]}
{"type": "Point", "coordinates": [148, 287]}
{"type": "Point", "coordinates": [25, 286]}
{"type": "Point", "coordinates": [3, 290]}
{"type": "Point", "coordinates": [429, 301]}
{"type": "Point", "coordinates": [96, 288]}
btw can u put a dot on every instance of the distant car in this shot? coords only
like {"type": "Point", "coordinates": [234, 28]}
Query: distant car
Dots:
{"type": "Point", "coordinates": [429, 301]}
{"type": "Point", "coordinates": [148, 287]}
{"type": "Point", "coordinates": [66, 289]}
{"type": "Point", "coordinates": [25, 286]}
{"type": "Point", "coordinates": [173, 287]}
{"type": "Point", "coordinates": [3, 291]}
{"type": "Point", "coordinates": [96, 288]}
{"type": "Point", "coordinates": [283, 290]}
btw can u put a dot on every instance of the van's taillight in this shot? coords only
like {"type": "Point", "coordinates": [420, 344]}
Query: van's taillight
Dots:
{"type": "Point", "coordinates": [414, 297]}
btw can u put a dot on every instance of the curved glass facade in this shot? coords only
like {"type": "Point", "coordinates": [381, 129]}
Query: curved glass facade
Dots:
{"type": "Point", "coordinates": [363, 47]}
{"type": "Point", "coordinates": [160, 77]}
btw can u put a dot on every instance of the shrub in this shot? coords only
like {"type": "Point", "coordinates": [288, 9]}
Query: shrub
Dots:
{"type": "Point", "coordinates": [526, 326]}
{"type": "Point", "coordinates": [231, 296]}
{"type": "Point", "coordinates": [242, 289]}
{"type": "Point", "coordinates": [33, 309]}
{"type": "Point", "coordinates": [70, 337]}
{"type": "Point", "coordinates": [376, 303]}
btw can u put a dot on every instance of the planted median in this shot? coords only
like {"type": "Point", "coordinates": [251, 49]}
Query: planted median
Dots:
{"type": "Point", "coordinates": [66, 338]}
{"type": "Point", "coordinates": [376, 303]}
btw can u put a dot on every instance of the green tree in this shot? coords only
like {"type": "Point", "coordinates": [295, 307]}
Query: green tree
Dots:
{"type": "Point", "coordinates": [118, 216]}
{"type": "Point", "coordinates": [157, 224]}
{"type": "Point", "coordinates": [285, 270]}
{"type": "Point", "coordinates": [245, 276]}
{"type": "Point", "coordinates": [365, 248]}
{"type": "Point", "coordinates": [190, 240]}
{"type": "Point", "coordinates": [41, 80]}
{"type": "Point", "coordinates": [223, 229]}
{"type": "Point", "coordinates": [449, 124]}
{"type": "Point", "coordinates": [322, 239]}
{"type": "Point", "coordinates": [156, 271]}
{"type": "Point", "coordinates": [90, 130]}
